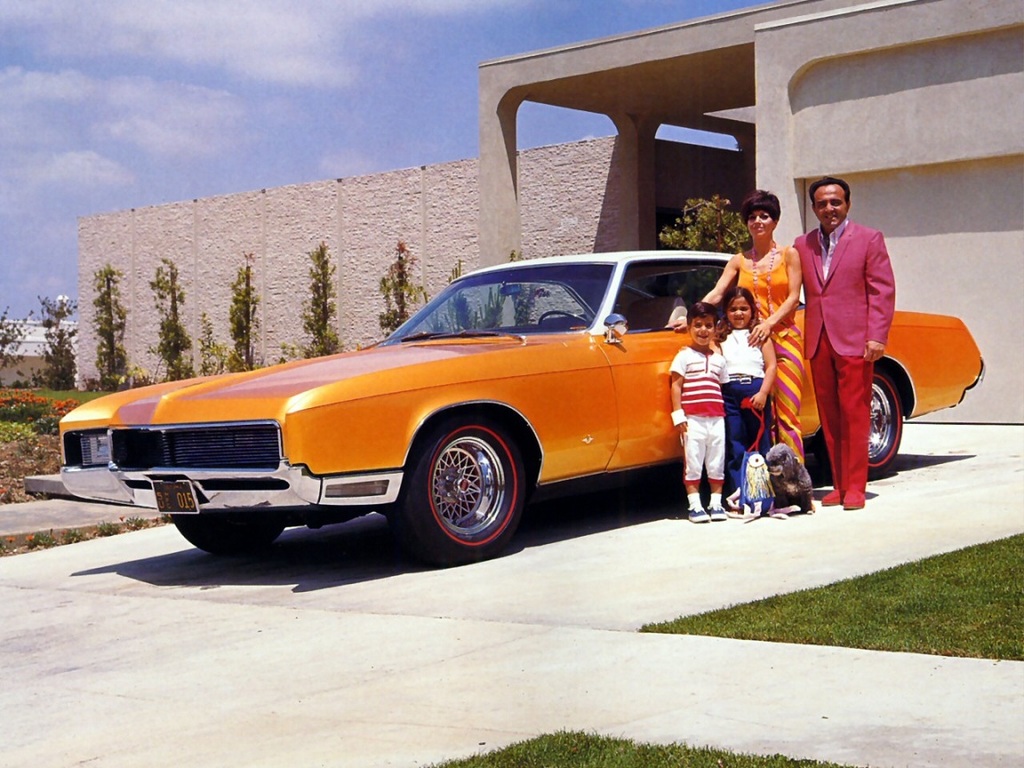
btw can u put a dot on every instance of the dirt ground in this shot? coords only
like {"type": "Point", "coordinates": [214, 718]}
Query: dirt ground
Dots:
{"type": "Point", "coordinates": [22, 458]}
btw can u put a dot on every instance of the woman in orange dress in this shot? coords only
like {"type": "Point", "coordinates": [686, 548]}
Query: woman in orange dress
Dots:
{"type": "Point", "coordinates": [773, 275]}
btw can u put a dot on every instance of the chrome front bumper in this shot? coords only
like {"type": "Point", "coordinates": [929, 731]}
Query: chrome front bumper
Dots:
{"type": "Point", "coordinates": [285, 487]}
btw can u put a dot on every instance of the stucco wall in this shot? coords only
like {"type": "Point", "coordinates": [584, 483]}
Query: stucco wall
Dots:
{"type": "Point", "coordinates": [919, 106]}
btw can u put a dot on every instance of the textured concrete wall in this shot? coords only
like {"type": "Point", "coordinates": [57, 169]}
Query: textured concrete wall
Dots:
{"type": "Point", "coordinates": [433, 209]}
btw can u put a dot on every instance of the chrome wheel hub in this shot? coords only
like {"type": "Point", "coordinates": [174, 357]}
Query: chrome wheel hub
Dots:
{"type": "Point", "coordinates": [882, 426]}
{"type": "Point", "coordinates": [468, 486]}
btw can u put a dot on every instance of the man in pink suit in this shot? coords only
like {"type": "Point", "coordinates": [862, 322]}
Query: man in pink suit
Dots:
{"type": "Point", "coordinates": [850, 295]}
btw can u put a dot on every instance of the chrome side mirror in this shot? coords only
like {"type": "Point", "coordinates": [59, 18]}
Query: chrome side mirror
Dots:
{"type": "Point", "coordinates": [615, 327]}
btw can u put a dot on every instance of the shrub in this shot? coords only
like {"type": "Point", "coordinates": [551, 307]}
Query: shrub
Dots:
{"type": "Point", "coordinates": [40, 414]}
{"type": "Point", "coordinates": [10, 431]}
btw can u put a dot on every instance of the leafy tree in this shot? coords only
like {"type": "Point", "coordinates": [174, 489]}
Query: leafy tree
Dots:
{"type": "Point", "coordinates": [12, 333]}
{"type": "Point", "coordinates": [213, 356]}
{"type": "Point", "coordinates": [244, 319]}
{"type": "Point", "coordinates": [110, 322]}
{"type": "Point", "coordinates": [706, 225]}
{"type": "Point", "coordinates": [59, 352]}
{"type": "Point", "coordinates": [319, 313]}
{"type": "Point", "coordinates": [399, 292]}
{"type": "Point", "coordinates": [174, 339]}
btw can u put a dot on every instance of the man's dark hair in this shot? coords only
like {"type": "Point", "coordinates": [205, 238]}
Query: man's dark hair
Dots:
{"type": "Point", "coordinates": [760, 200]}
{"type": "Point", "coordinates": [824, 182]}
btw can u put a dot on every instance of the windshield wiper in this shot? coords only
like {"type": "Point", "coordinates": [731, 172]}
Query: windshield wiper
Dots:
{"type": "Point", "coordinates": [464, 334]}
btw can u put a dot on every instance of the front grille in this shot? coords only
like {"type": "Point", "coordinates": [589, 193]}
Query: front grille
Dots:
{"type": "Point", "coordinates": [227, 446]}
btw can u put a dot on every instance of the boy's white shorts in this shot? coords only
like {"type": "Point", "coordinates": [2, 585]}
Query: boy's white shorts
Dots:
{"type": "Point", "coordinates": [705, 446]}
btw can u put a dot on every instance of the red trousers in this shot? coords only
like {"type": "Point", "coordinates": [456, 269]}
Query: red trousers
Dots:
{"type": "Point", "coordinates": [842, 387]}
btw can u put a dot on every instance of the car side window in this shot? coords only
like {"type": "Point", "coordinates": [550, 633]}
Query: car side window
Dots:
{"type": "Point", "coordinates": [654, 294]}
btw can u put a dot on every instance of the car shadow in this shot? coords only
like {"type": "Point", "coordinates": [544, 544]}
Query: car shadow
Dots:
{"type": "Point", "coordinates": [822, 476]}
{"type": "Point", "coordinates": [364, 549]}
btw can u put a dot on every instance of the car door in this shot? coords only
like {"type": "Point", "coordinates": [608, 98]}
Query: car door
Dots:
{"type": "Point", "coordinates": [652, 293]}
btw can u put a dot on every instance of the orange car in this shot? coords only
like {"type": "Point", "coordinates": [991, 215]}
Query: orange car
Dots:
{"type": "Point", "coordinates": [514, 380]}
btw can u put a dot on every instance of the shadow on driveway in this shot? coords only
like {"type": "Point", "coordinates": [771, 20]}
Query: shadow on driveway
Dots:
{"type": "Point", "coordinates": [364, 550]}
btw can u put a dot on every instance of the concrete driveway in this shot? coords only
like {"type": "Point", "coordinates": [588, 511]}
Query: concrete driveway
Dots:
{"type": "Point", "coordinates": [138, 650]}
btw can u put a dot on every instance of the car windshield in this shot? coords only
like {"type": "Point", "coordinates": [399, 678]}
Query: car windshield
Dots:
{"type": "Point", "coordinates": [522, 300]}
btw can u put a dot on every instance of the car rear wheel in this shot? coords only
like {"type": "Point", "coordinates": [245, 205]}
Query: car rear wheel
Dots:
{"type": "Point", "coordinates": [885, 431]}
{"type": "Point", "coordinates": [886, 424]}
{"type": "Point", "coordinates": [464, 495]}
{"type": "Point", "coordinates": [227, 534]}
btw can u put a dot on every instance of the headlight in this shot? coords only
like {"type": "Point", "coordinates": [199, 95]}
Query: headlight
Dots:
{"type": "Point", "coordinates": [95, 448]}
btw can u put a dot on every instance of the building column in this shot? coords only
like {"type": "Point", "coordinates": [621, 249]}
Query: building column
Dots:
{"type": "Point", "coordinates": [500, 228]}
{"type": "Point", "coordinates": [634, 158]}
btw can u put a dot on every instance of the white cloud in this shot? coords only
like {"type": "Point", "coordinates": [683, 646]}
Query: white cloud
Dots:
{"type": "Point", "coordinates": [67, 110]}
{"type": "Point", "coordinates": [80, 169]}
{"type": "Point", "coordinates": [347, 162]}
{"type": "Point", "coordinates": [312, 43]}
{"type": "Point", "coordinates": [170, 118]}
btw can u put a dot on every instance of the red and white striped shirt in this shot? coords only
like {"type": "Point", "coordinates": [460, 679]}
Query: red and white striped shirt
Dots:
{"type": "Point", "coordinates": [703, 376]}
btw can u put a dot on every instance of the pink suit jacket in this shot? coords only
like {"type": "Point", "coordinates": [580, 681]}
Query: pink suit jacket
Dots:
{"type": "Point", "coordinates": [855, 304]}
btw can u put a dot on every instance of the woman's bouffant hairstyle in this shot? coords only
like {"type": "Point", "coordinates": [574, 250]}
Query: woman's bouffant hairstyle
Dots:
{"type": "Point", "coordinates": [760, 200]}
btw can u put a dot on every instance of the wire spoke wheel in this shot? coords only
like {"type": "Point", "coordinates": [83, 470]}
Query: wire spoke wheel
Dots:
{"type": "Point", "coordinates": [464, 495]}
{"type": "Point", "coordinates": [468, 486]}
{"type": "Point", "coordinates": [886, 429]}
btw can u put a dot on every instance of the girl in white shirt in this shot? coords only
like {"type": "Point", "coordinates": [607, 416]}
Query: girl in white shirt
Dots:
{"type": "Point", "coordinates": [751, 371]}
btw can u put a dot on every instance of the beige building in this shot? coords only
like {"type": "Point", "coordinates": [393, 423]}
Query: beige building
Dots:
{"type": "Point", "coordinates": [31, 351]}
{"type": "Point", "coordinates": [918, 103]}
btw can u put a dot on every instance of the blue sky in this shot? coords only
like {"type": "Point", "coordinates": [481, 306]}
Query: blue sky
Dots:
{"type": "Point", "coordinates": [114, 104]}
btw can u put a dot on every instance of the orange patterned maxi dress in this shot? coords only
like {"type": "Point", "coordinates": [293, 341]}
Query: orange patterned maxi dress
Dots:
{"type": "Point", "coordinates": [770, 289]}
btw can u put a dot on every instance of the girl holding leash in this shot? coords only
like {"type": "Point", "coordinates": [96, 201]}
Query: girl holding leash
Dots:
{"type": "Point", "coordinates": [751, 371]}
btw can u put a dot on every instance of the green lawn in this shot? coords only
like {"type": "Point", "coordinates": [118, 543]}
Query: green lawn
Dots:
{"type": "Point", "coordinates": [69, 394]}
{"type": "Point", "coordinates": [964, 603]}
{"type": "Point", "coordinates": [581, 750]}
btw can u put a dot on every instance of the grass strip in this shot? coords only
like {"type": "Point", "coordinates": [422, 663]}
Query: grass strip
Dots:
{"type": "Point", "coordinates": [583, 750]}
{"type": "Point", "coordinates": [963, 603]}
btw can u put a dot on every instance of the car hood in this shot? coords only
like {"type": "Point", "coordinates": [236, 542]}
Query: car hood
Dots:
{"type": "Point", "coordinates": [272, 393]}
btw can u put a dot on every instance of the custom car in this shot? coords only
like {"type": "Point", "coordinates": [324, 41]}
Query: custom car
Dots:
{"type": "Point", "coordinates": [517, 380]}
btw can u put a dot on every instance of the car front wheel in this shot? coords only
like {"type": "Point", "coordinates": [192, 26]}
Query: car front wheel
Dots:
{"type": "Point", "coordinates": [464, 496]}
{"type": "Point", "coordinates": [227, 534]}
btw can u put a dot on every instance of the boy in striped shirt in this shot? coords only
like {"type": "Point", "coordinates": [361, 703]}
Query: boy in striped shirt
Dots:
{"type": "Point", "coordinates": [698, 412]}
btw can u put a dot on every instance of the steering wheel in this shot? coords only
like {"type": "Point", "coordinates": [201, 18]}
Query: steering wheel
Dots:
{"type": "Point", "coordinates": [561, 313]}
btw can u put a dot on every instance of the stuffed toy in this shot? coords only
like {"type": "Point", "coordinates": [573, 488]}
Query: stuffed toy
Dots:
{"type": "Point", "coordinates": [791, 481]}
{"type": "Point", "coordinates": [756, 493]}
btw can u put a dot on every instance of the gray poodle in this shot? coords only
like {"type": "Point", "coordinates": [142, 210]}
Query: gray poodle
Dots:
{"type": "Point", "coordinates": [794, 491]}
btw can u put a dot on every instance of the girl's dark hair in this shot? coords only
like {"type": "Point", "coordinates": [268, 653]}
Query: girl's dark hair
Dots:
{"type": "Point", "coordinates": [732, 293]}
{"type": "Point", "coordinates": [760, 200]}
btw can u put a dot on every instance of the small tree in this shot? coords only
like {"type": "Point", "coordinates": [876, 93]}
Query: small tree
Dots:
{"type": "Point", "coordinates": [12, 333]}
{"type": "Point", "coordinates": [59, 352]}
{"type": "Point", "coordinates": [319, 313]}
{"type": "Point", "coordinates": [110, 322]}
{"type": "Point", "coordinates": [398, 290]}
{"type": "Point", "coordinates": [706, 225]}
{"type": "Point", "coordinates": [213, 356]}
{"type": "Point", "coordinates": [243, 318]}
{"type": "Point", "coordinates": [174, 342]}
